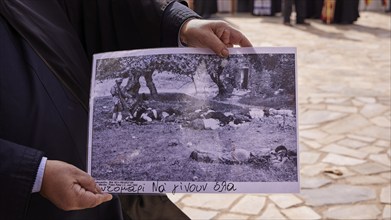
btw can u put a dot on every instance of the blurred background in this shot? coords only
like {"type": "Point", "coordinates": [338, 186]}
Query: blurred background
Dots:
{"type": "Point", "coordinates": [343, 75]}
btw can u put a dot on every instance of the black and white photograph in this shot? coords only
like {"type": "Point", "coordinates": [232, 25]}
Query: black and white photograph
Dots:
{"type": "Point", "coordinates": [186, 120]}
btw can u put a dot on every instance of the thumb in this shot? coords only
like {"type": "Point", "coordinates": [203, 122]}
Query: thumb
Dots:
{"type": "Point", "coordinates": [93, 193]}
{"type": "Point", "coordinates": [87, 182]}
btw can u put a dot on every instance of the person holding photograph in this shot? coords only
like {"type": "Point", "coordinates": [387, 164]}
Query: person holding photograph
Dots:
{"type": "Point", "coordinates": [45, 69]}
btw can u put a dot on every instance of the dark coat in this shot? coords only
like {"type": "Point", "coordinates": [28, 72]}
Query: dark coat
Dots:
{"type": "Point", "coordinates": [45, 65]}
{"type": "Point", "coordinates": [346, 11]}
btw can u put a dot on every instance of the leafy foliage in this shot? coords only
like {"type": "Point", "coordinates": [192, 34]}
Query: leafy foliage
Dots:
{"type": "Point", "coordinates": [268, 72]}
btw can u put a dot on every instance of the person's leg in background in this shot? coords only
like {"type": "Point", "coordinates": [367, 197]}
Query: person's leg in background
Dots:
{"type": "Point", "coordinates": [205, 8]}
{"type": "Point", "coordinates": [300, 7]}
{"type": "Point", "coordinates": [199, 6]}
{"type": "Point", "coordinates": [287, 11]}
{"type": "Point", "coordinates": [210, 8]}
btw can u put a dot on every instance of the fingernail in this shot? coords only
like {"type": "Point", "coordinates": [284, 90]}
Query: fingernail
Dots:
{"type": "Point", "coordinates": [224, 53]}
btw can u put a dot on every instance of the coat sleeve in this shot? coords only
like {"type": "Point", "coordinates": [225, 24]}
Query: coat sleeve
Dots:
{"type": "Point", "coordinates": [174, 16]}
{"type": "Point", "coordinates": [86, 27]}
{"type": "Point", "coordinates": [18, 169]}
{"type": "Point", "coordinates": [109, 25]}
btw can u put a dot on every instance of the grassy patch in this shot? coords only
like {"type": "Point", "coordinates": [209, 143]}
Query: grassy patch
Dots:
{"type": "Point", "coordinates": [160, 151]}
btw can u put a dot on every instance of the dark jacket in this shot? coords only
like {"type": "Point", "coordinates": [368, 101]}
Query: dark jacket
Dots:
{"type": "Point", "coordinates": [46, 50]}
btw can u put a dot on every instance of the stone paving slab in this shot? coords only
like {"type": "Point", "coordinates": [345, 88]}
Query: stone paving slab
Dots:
{"type": "Point", "coordinates": [383, 159]}
{"type": "Point", "coordinates": [338, 194]}
{"type": "Point", "coordinates": [213, 201]}
{"type": "Point", "coordinates": [376, 132]}
{"type": "Point", "coordinates": [386, 175]}
{"type": "Point", "coordinates": [367, 180]}
{"type": "Point", "coordinates": [302, 213]}
{"type": "Point", "coordinates": [196, 214]}
{"type": "Point", "coordinates": [344, 87]}
{"type": "Point", "coordinates": [372, 149]}
{"type": "Point", "coordinates": [230, 216]}
{"type": "Point", "coordinates": [350, 123]}
{"type": "Point", "coordinates": [314, 183]}
{"type": "Point", "coordinates": [358, 212]}
{"type": "Point", "coordinates": [313, 170]}
{"type": "Point", "coordinates": [371, 168]}
{"type": "Point", "coordinates": [250, 205]}
{"type": "Point", "coordinates": [354, 143]}
{"type": "Point", "coordinates": [342, 160]}
{"type": "Point", "coordinates": [271, 213]}
{"type": "Point", "coordinates": [309, 157]}
{"type": "Point", "coordinates": [386, 212]}
{"type": "Point", "coordinates": [285, 200]}
{"type": "Point", "coordinates": [317, 117]}
{"type": "Point", "coordinates": [333, 148]}
{"type": "Point", "coordinates": [385, 195]}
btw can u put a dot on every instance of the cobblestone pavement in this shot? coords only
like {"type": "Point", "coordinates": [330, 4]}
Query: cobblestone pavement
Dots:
{"type": "Point", "coordinates": [344, 124]}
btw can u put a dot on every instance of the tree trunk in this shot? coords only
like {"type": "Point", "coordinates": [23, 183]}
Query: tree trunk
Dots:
{"type": "Point", "coordinates": [133, 85]}
{"type": "Point", "coordinates": [195, 85]}
{"type": "Point", "coordinates": [216, 79]}
{"type": "Point", "coordinates": [151, 86]}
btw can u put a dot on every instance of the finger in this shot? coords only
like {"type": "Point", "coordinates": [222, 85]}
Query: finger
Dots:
{"type": "Point", "coordinates": [225, 37]}
{"type": "Point", "coordinates": [215, 44]}
{"type": "Point", "coordinates": [238, 38]}
{"type": "Point", "coordinates": [241, 40]}
{"type": "Point", "coordinates": [244, 42]}
{"type": "Point", "coordinates": [230, 35]}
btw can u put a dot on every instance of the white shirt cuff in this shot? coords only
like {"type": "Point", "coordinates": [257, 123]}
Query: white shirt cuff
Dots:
{"type": "Point", "coordinates": [180, 44]}
{"type": "Point", "coordinates": [39, 177]}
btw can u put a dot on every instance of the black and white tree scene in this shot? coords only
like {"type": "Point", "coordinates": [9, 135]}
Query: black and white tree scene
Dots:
{"type": "Point", "coordinates": [195, 117]}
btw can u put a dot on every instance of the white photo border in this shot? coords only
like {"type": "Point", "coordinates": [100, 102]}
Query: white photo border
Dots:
{"type": "Point", "coordinates": [158, 187]}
